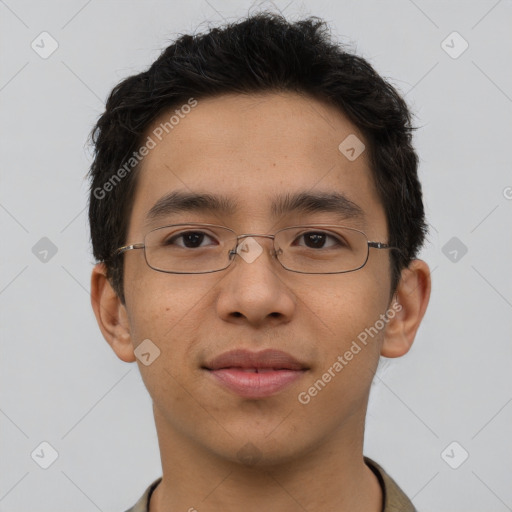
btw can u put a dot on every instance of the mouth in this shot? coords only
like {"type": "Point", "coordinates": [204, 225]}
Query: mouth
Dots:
{"type": "Point", "coordinates": [255, 374]}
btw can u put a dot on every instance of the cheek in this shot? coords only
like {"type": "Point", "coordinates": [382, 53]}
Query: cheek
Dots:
{"type": "Point", "coordinates": [166, 308]}
{"type": "Point", "coordinates": [163, 309]}
{"type": "Point", "coordinates": [346, 311]}
{"type": "Point", "coordinates": [347, 304]}
{"type": "Point", "coordinates": [159, 304]}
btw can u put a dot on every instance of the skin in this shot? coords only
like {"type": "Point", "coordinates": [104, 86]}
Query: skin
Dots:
{"type": "Point", "coordinates": [309, 456]}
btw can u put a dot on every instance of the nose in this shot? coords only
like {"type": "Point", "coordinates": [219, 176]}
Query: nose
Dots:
{"type": "Point", "coordinates": [254, 290]}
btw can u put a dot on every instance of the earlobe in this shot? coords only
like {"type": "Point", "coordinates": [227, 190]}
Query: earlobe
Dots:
{"type": "Point", "coordinates": [407, 309]}
{"type": "Point", "coordinates": [111, 314]}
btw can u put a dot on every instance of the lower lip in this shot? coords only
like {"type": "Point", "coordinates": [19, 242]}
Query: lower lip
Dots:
{"type": "Point", "coordinates": [256, 385]}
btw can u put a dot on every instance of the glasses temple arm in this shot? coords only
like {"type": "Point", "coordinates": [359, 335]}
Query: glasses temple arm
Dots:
{"type": "Point", "coordinates": [125, 248]}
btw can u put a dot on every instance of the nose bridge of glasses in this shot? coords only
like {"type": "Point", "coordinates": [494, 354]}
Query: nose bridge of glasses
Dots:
{"type": "Point", "coordinates": [240, 238]}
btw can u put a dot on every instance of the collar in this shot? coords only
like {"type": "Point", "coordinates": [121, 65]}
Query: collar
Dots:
{"type": "Point", "coordinates": [394, 498]}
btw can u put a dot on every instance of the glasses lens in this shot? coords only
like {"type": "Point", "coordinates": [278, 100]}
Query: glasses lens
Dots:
{"type": "Point", "coordinates": [321, 249]}
{"type": "Point", "coordinates": [199, 248]}
{"type": "Point", "coordinates": [189, 248]}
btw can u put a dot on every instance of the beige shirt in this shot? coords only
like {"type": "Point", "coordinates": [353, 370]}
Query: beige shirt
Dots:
{"type": "Point", "coordinates": [394, 498]}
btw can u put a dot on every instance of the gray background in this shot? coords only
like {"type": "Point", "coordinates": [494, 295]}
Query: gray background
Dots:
{"type": "Point", "coordinates": [60, 381]}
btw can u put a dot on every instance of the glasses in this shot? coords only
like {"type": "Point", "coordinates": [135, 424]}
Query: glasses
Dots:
{"type": "Point", "coordinates": [196, 248]}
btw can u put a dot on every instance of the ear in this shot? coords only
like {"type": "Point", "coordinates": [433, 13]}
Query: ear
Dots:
{"type": "Point", "coordinates": [111, 314]}
{"type": "Point", "coordinates": [407, 309]}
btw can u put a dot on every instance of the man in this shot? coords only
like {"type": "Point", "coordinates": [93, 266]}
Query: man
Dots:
{"type": "Point", "coordinates": [256, 215]}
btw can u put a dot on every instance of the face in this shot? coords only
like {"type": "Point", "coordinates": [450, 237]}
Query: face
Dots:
{"type": "Point", "coordinates": [254, 149]}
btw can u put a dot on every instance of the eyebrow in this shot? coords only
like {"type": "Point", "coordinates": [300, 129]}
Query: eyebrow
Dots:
{"type": "Point", "coordinates": [177, 202]}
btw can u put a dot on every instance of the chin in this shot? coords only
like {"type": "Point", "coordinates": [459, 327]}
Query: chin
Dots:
{"type": "Point", "coordinates": [259, 451]}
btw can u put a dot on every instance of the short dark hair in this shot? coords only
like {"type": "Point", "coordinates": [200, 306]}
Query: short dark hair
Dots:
{"type": "Point", "coordinates": [263, 52]}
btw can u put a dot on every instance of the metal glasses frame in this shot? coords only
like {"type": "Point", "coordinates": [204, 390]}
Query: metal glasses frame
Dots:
{"type": "Point", "coordinates": [233, 252]}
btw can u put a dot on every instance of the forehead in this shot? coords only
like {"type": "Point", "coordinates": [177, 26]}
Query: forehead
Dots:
{"type": "Point", "coordinates": [259, 155]}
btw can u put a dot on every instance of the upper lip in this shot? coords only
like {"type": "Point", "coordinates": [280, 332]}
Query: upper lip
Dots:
{"type": "Point", "coordinates": [272, 359]}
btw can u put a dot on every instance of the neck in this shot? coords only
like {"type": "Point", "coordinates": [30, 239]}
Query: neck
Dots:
{"type": "Point", "coordinates": [332, 476]}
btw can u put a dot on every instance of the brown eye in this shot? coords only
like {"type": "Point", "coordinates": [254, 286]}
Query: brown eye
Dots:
{"type": "Point", "coordinates": [317, 240]}
{"type": "Point", "coordinates": [191, 239]}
